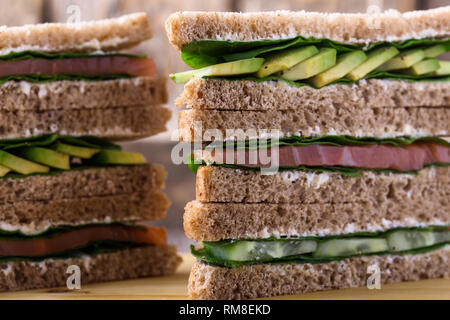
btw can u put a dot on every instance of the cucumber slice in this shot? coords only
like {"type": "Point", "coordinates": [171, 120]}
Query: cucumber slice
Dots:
{"type": "Point", "coordinates": [223, 69]}
{"type": "Point", "coordinates": [350, 247]}
{"type": "Point", "coordinates": [284, 60]}
{"type": "Point", "coordinates": [345, 64]}
{"type": "Point", "coordinates": [404, 240]}
{"type": "Point", "coordinates": [247, 250]}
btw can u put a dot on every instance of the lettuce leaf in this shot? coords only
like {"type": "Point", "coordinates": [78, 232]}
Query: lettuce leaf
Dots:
{"type": "Point", "coordinates": [90, 249]}
{"type": "Point", "coordinates": [332, 140]}
{"type": "Point", "coordinates": [30, 54]}
{"type": "Point", "coordinates": [199, 54]}
{"type": "Point", "coordinates": [48, 140]}
{"type": "Point", "coordinates": [42, 78]}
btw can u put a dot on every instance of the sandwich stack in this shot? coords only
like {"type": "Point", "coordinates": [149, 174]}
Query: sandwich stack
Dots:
{"type": "Point", "coordinates": [70, 196]}
{"type": "Point", "coordinates": [354, 108]}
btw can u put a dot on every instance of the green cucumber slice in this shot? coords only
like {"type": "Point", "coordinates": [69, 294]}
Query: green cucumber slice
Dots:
{"type": "Point", "coordinates": [350, 247]}
{"type": "Point", "coordinates": [247, 250]}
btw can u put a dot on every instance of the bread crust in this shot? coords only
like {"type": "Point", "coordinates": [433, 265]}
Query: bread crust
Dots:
{"type": "Point", "coordinates": [36, 216]}
{"type": "Point", "coordinates": [84, 183]}
{"type": "Point", "coordinates": [185, 27]}
{"type": "Point", "coordinates": [129, 122]}
{"type": "Point", "coordinates": [105, 35]}
{"type": "Point", "coordinates": [265, 280]}
{"type": "Point", "coordinates": [76, 95]}
{"type": "Point", "coordinates": [317, 121]}
{"type": "Point", "coordinates": [119, 265]}
{"type": "Point", "coordinates": [218, 184]}
{"type": "Point", "coordinates": [219, 221]}
{"type": "Point", "coordinates": [279, 95]}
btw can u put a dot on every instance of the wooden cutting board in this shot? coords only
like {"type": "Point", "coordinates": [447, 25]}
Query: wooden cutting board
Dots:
{"type": "Point", "coordinates": [174, 287]}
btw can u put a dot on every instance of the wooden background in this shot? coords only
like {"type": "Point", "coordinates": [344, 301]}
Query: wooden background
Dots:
{"type": "Point", "coordinates": [181, 182]}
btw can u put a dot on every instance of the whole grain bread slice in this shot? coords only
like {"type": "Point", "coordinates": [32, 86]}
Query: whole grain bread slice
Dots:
{"type": "Point", "coordinates": [73, 95]}
{"type": "Point", "coordinates": [83, 183]}
{"type": "Point", "coordinates": [265, 280]}
{"type": "Point", "coordinates": [120, 265]}
{"type": "Point", "coordinates": [114, 123]}
{"type": "Point", "coordinates": [279, 95]}
{"type": "Point", "coordinates": [218, 221]}
{"type": "Point", "coordinates": [218, 184]}
{"type": "Point", "coordinates": [185, 27]}
{"type": "Point", "coordinates": [314, 121]}
{"type": "Point", "coordinates": [32, 217]}
{"type": "Point", "coordinates": [105, 35]}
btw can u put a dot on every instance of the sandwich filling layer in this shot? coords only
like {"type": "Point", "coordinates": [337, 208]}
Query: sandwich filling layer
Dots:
{"type": "Point", "coordinates": [315, 62]}
{"type": "Point", "coordinates": [50, 154]}
{"type": "Point", "coordinates": [41, 67]}
{"type": "Point", "coordinates": [71, 241]}
{"type": "Point", "coordinates": [329, 153]}
{"type": "Point", "coordinates": [232, 253]}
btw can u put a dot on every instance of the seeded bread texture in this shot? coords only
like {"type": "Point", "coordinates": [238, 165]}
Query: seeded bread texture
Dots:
{"type": "Point", "coordinates": [265, 280]}
{"type": "Point", "coordinates": [217, 184]}
{"type": "Point", "coordinates": [113, 123]}
{"type": "Point", "coordinates": [218, 221]}
{"type": "Point", "coordinates": [120, 265]}
{"type": "Point", "coordinates": [92, 182]}
{"type": "Point", "coordinates": [316, 121]}
{"type": "Point", "coordinates": [279, 95]}
{"type": "Point", "coordinates": [65, 95]}
{"type": "Point", "coordinates": [105, 35]}
{"type": "Point", "coordinates": [391, 25]}
{"type": "Point", "coordinates": [39, 215]}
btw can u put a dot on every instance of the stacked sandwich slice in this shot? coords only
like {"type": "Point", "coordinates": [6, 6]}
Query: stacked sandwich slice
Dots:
{"type": "Point", "coordinates": [353, 110]}
{"type": "Point", "coordinates": [69, 194]}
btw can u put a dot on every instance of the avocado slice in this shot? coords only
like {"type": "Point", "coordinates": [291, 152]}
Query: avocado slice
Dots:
{"type": "Point", "coordinates": [20, 165]}
{"type": "Point", "coordinates": [248, 250]}
{"type": "Point", "coordinates": [444, 69]}
{"type": "Point", "coordinates": [375, 58]}
{"type": "Point", "coordinates": [4, 171]}
{"type": "Point", "coordinates": [345, 64]}
{"type": "Point", "coordinates": [118, 157]}
{"type": "Point", "coordinates": [350, 247]}
{"type": "Point", "coordinates": [404, 60]}
{"type": "Point", "coordinates": [76, 151]}
{"type": "Point", "coordinates": [435, 50]}
{"type": "Point", "coordinates": [45, 156]}
{"type": "Point", "coordinates": [284, 60]}
{"type": "Point", "coordinates": [423, 67]}
{"type": "Point", "coordinates": [325, 59]}
{"type": "Point", "coordinates": [223, 69]}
